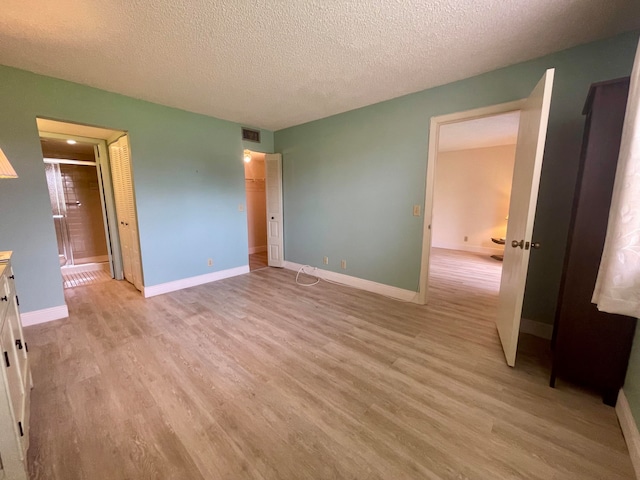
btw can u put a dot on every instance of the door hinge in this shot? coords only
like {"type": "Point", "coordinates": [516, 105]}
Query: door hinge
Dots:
{"type": "Point", "coordinates": [20, 427]}
{"type": "Point", "coordinates": [12, 277]}
{"type": "Point", "coordinates": [17, 300]}
{"type": "Point", "coordinates": [6, 359]}
{"type": "Point", "coordinates": [26, 347]}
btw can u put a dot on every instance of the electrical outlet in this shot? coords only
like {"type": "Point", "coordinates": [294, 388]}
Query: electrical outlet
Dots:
{"type": "Point", "coordinates": [466, 239]}
{"type": "Point", "coordinates": [325, 260]}
{"type": "Point", "coordinates": [343, 264]}
{"type": "Point", "coordinates": [210, 262]}
{"type": "Point", "coordinates": [416, 210]}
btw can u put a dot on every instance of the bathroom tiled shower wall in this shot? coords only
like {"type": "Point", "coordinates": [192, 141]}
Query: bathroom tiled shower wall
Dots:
{"type": "Point", "coordinates": [84, 213]}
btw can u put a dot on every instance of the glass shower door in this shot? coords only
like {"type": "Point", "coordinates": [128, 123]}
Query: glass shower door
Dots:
{"type": "Point", "coordinates": [59, 211]}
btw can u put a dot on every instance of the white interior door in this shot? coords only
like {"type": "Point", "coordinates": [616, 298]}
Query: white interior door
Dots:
{"type": "Point", "coordinates": [119, 154]}
{"type": "Point", "coordinates": [115, 156]}
{"type": "Point", "coordinates": [532, 133]}
{"type": "Point", "coordinates": [130, 206]}
{"type": "Point", "coordinates": [275, 244]}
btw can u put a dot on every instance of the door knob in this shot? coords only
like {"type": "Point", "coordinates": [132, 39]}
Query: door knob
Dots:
{"type": "Point", "coordinates": [535, 245]}
{"type": "Point", "coordinates": [516, 244]}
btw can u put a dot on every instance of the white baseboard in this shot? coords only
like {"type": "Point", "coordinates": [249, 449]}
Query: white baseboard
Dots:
{"type": "Point", "coordinates": [473, 249]}
{"type": "Point", "coordinates": [45, 315]}
{"type": "Point", "coordinates": [535, 328]}
{"type": "Point", "coordinates": [360, 283]}
{"type": "Point", "coordinates": [161, 288]}
{"type": "Point", "coordinates": [260, 249]}
{"type": "Point", "coordinates": [629, 430]}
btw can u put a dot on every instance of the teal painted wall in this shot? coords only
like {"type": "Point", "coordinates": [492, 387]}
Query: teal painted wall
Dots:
{"type": "Point", "coordinates": [350, 180]}
{"type": "Point", "coordinates": [188, 178]}
{"type": "Point", "coordinates": [632, 380]}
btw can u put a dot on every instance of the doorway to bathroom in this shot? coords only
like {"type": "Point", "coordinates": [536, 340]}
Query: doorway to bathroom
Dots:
{"type": "Point", "coordinates": [76, 196]}
{"type": "Point", "coordinates": [90, 180]}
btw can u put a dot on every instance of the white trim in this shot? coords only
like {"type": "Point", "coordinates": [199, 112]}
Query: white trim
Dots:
{"type": "Point", "coordinates": [193, 281]}
{"type": "Point", "coordinates": [359, 283]}
{"type": "Point", "coordinates": [535, 328]}
{"type": "Point", "coordinates": [65, 161]}
{"type": "Point", "coordinates": [45, 315]}
{"type": "Point", "coordinates": [434, 137]}
{"type": "Point", "coordinates": [260, 249]}
{"type": "Point", "coordinates": [629, 430]}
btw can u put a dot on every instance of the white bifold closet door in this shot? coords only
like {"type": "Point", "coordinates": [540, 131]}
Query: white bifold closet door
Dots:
{"type": "Point", "coordinates": [119, 154]}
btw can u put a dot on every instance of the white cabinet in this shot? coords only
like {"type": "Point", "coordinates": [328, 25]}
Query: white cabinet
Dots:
{"type": "Point", "coordinates": [16, 383]}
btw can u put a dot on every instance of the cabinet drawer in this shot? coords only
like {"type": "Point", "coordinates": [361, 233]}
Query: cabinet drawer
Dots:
{"type": "Point", "coordinates": [13, 380]}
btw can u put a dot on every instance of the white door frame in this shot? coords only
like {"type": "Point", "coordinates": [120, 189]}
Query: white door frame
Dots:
{"type": "Point", "coordinates": [434, 139]}
{"type": "Point", "coordinates": [105, 186]}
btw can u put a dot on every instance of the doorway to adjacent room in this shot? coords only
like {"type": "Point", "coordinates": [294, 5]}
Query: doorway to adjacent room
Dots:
{"type": "Point", "coordinates": [472, 190]}
{"type": "Point", "coordinates": [90, 183]}
{"type": "Point", "coordinates": [76, 205]}
{"type": "Point", "coordinates": [256, 196]}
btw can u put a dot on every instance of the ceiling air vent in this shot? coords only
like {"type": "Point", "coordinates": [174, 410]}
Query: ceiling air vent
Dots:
{"type": "Point", "coordinates": [251, 135]}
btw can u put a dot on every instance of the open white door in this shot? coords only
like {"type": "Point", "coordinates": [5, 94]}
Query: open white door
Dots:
{"type": "Point", "coordinates": [115, 155]}
{"type": "Point", "coordinates": [120, 156]}
{"type": "Point", "coordinates": [275, 244]}
{"type": "Point", "coordinates": [532, 133]}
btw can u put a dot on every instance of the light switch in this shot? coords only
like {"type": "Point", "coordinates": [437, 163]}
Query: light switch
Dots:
{"type": "Point", "coordinates": [416, 210]}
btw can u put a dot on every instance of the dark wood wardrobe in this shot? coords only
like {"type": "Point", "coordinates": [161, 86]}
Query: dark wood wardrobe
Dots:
{"type": "Point", "coordinates": [591, 348]}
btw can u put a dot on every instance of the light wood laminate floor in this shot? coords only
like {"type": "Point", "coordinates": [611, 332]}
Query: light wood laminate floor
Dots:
{"type": "Point", "coordinates": [258, 260]}
{"type": "Point", "coordinates": [254, 377]}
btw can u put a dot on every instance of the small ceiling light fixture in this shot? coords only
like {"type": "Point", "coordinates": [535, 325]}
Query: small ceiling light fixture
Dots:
{"type": "Point", "coordinates": [71, 142]}
{"type": "Point", "coordinates": [6, 170]}
{"type": "Point", "coordinates": [247, 156]}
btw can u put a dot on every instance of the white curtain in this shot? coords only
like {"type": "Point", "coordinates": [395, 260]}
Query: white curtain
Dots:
{"type": "Point", "coordinates": [618, 285]}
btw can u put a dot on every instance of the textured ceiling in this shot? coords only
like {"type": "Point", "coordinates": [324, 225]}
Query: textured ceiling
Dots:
{"type": "Point", "coordinates": [480, 133]}
{"type": "Point", "coordinates": [277, 63]}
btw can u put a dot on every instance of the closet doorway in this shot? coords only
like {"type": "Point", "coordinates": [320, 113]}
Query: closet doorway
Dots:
{"type": "Point", "coordinates": [256, 195]}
